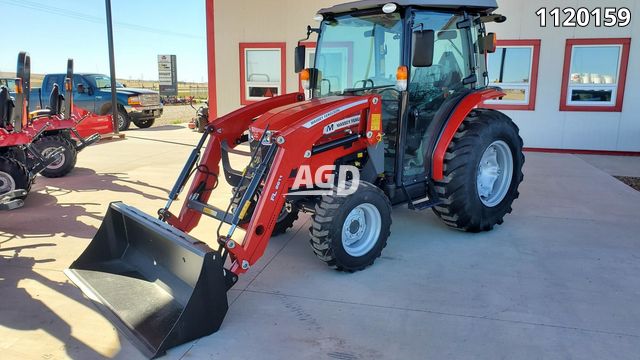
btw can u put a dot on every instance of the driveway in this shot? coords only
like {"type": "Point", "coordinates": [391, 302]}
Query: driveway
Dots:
{"type": "Point", "coordinates": [558, 280]}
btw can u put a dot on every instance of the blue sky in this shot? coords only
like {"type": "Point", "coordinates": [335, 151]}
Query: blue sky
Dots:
{"type": "Point", "coordinates": [143, 29]}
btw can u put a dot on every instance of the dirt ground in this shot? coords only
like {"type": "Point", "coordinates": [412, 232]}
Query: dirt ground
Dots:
{"type": "Point", "coordinates": [634, 182]}
{"type": "Point", "coordinates": [176, 114]}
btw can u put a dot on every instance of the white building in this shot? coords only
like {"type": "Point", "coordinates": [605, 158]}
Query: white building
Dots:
{"type": "Point", "coordinates": [569, 87]}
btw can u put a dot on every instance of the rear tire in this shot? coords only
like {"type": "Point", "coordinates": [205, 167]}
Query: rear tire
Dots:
{"type": "Point", "coordinates": [13, 176]}
{"type": "Point", "coordinates": [16, 153]}
{"type": "Point", "coordinates": [349, 232]}
{"type": "Point", "coordinates": [67, 160]}
{"type": "Point", "coordinates": [144, 124]}
{"type": "Point", "coordinates": [482, 172]}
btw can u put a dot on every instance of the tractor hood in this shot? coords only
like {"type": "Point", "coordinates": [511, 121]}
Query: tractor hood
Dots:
{"type": "Point", "coordinates": [282, 118]}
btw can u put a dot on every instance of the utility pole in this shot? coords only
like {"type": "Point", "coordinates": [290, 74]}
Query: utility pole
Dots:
{"type": "Point", "coordinates": [112, 65]}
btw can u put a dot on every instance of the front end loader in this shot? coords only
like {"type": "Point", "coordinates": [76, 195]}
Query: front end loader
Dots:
{"type": "Point", "coordinates": [394, 117]}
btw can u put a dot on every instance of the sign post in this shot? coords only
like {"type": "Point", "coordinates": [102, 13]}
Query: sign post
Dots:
{"type": "Point", "coordinates": [168, 75]}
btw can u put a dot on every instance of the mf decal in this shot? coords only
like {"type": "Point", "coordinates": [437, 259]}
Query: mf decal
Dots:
{"type": "Point", "coordinates": [325, 116]}
{"type": "Point", "coordinates": [344, 123]}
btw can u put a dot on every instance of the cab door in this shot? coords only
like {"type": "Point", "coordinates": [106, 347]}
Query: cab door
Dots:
{"type": "Point", "coordinates": [433, 90]}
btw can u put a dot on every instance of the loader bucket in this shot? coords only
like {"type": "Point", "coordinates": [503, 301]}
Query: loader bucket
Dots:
{"type": "Point", "coordinates": [158, 285]}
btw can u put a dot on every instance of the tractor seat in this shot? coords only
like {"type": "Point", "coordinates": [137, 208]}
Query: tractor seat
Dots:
{"type": "Point", "coordinates": [6, 107]}
{"type": "Point", "coordinates": [452, 75]}
{"type": "Point", "coordinates": [55, 105]}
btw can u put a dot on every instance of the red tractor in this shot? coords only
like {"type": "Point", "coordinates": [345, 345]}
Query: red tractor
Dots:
{"type": "Point", "coordinates": [16, 140]}
{"type": "Point", "coordinates": [61, 120]}
{"type": "Point", "coordinates": [395, 117]}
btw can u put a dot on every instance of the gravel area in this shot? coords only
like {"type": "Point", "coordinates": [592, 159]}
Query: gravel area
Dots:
{"type": "Point", "coordinates": [176, 114]}
{"type": "Point", "coordinates": [634, 182]}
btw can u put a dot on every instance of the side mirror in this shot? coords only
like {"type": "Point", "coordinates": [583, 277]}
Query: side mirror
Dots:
{"type": "Point", "coordinates": [89, 90]}
{"type": "Point", "coordinates": [423, 47]}
{"type": "Point", "coordinates": [300, 57]}
{"type": "Point", "coordinates": [488, 44]}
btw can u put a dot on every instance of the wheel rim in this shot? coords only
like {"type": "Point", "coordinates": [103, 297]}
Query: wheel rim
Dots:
{"type": "Point", "coordinates": [56, 164]}
{"type": "Point", "coordinates": [495, 172]}
{"type": "Point", "coordinates": [361, 230]}
{"type": "Point", "coordinates": [7, 183]}
{"type": "Point", "coordinates": [120, 121]}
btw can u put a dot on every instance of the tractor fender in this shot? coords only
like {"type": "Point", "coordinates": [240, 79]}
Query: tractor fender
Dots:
{"type": "Point", "coordinates": [460, 112]}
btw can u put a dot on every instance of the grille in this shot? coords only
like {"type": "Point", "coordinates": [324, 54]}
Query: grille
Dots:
{"type": "Point", "coordinates": [149, 99]}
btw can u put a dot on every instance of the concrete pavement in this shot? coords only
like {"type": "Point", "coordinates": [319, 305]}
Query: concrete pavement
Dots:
{"type": "Point", "coordinates": [615, 165]}
{"type": "Point", "coordinates": [558, 280]}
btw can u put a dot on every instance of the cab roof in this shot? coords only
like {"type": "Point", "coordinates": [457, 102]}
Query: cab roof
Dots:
{"type": "Point", "coordinates": [482, 6]}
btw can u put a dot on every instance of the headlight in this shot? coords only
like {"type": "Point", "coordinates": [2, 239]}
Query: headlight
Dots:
{"type": "Point", "coordinates": [134, 100]}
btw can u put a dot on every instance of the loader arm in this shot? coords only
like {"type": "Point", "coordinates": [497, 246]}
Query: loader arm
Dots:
{"type": "Point", "coordinates": [228, 129]}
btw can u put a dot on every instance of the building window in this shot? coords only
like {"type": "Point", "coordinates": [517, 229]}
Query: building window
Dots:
{"type": "Point", "coordinates": [262, 71]}
{"type": "Point", "coordinates": [514, 68]}
{"type": "Point", "coordinates": [595, 72]}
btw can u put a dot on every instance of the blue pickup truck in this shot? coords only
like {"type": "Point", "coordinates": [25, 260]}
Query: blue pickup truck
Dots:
{"type": "Point", "coordinates": [93, 93]}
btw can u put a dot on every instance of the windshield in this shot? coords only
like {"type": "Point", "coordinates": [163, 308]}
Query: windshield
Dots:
{"type": "Point", "coordinates": [104, 82]}
{"type": "Point", "coordinates": [358, 52]}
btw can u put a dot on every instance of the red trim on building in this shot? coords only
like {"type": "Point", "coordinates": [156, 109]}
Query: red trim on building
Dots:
{"type": "Point", "coordinates": [211, 59]}
{"type": "Point", "coordinates": [584, 152]}
{"type": "Point", "coordinates": [622, 77]}
{"type": "Point", "coordinates": [283, 67]}
{"type": "Point", "coordinates": [533, 82]}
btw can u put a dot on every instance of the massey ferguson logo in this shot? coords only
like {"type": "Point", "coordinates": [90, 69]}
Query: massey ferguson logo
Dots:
{"type": "Point", "coordinates": [325, 116]}
{"type": "Point", "coordinates": [342, 124]}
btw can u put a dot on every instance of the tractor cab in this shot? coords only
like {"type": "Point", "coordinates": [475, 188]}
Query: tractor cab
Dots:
{"type": "Point", "coordinates": [421, 57]}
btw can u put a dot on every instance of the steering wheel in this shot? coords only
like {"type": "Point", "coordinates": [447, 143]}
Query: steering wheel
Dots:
{"type": "Point", "coordinates": [364, 84]}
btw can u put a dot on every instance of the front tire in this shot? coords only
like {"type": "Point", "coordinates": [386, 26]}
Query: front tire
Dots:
{"type": "Point", "coordinates": [67, 160]}
{"type": "Point", "coordinates": [483, 170]}
{"type": "Point", "coordinates": [349, 232]}
{"type": "Point", "coordinates": [13, 176]}
{"type": "Point", "coordinates": [124, 122]}
{"type": "Point", "coordinates": [201, 125]}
